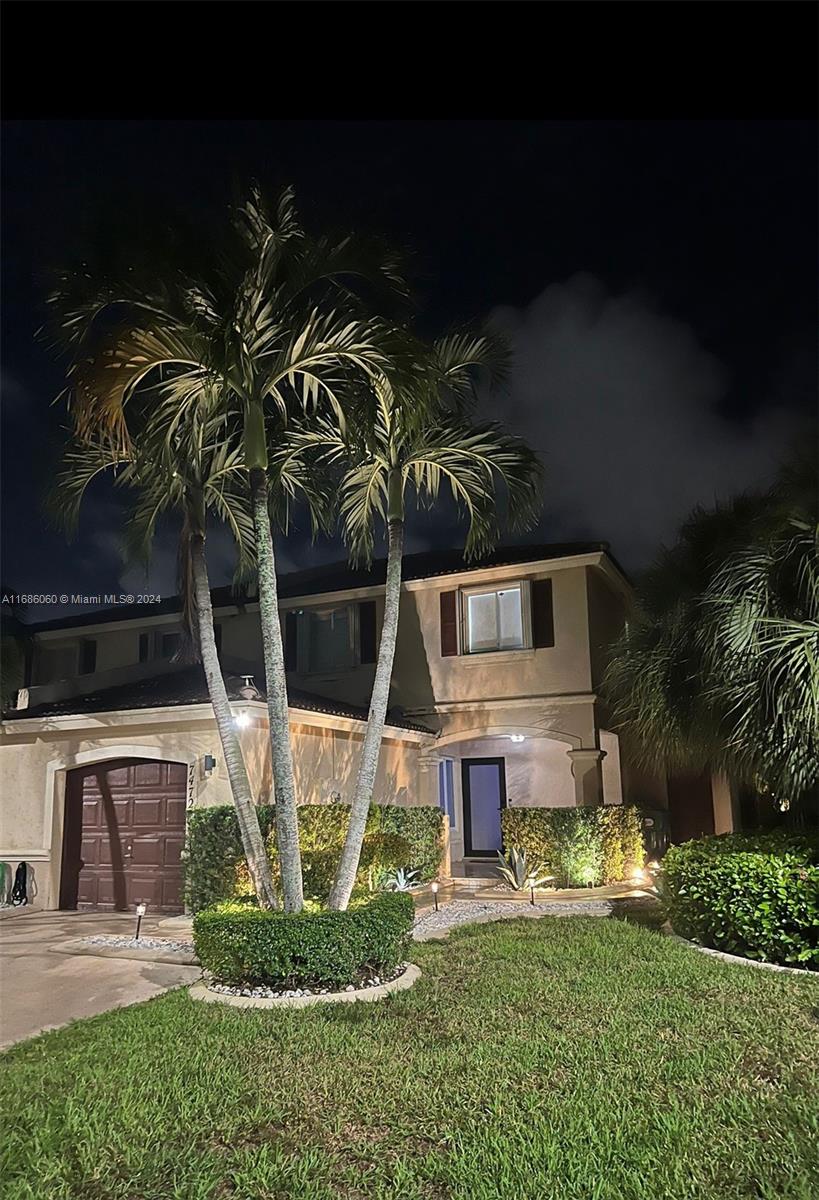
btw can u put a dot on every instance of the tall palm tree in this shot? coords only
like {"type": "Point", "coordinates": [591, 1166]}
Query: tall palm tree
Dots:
{"type": "Point", "coordinates": [191, 470]}
{"type": "Point", "coordinates": [409, 433]}
{"type": "Point", "coordinates": [719, 666]}
{"type": "Point", "coordinates": [270, 326]}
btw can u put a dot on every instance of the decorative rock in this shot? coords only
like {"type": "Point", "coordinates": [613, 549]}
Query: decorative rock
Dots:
{"type": "Point", "coordinates": [117, 942]}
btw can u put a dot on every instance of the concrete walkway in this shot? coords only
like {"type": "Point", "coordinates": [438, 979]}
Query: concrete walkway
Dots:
{"type": "Point", "coordinates": [41, 989]}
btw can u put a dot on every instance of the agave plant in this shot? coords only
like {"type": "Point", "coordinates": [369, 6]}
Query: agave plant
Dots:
{"type": "Point", "coordinates": [402, 880]}
{"type": "Point", "coordinates": [519, 873]}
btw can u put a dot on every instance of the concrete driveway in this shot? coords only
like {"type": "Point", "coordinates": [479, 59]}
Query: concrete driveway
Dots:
{"type": "Point", "coordinates": [43, 989]}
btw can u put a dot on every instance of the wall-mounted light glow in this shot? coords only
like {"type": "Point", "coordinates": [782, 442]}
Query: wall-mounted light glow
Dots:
{"type": "Point", "coordinates": [242, 720]}
{"type": "Point", "coordinates": [516, 737]}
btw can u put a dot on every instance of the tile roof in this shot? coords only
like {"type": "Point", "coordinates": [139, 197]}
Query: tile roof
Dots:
{"type": "Point", "coordinates": [340, 576]}
{"type": "Point", "coordinates": [187, 686]}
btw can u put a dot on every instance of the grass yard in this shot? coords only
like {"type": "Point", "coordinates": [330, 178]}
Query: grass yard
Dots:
{"type": "Point", "coordinates": [560, 1059]}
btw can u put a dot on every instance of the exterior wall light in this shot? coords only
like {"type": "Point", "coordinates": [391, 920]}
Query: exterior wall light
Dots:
{"type": "Point", "coordinates": [208, 765]}
{"type": "Point", "coordinates": [517, 737]}
{"type": "Point", "coordinates": [433, 887]}
{"type": "Point", "coordinates": [242, 720]}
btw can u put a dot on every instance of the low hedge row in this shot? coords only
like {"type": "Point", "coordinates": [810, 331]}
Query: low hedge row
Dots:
{"type": "Point", "coordinates": [215, 869]}
{"type": "Point", "coordinates": [240, 943]}
{"type": "Point", "coordinates": [752, 895]}
{"type": "Point", "coordinates": [578, 845]}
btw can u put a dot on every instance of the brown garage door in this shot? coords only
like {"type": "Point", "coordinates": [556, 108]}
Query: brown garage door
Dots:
{"type": "Point", "coordinates": [124, 833]}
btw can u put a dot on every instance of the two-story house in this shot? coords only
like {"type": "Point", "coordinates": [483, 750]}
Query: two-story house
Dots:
{"type": "Point", "coordinates": [494, 702]}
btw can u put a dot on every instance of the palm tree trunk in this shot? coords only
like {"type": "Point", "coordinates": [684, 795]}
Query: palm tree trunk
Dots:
{"type": "Point", "coordinates": [371, 749]}
{"type": "Point", "coordinates": [287, 825]}
{"type": "Point", "coordinates": [251, 835]}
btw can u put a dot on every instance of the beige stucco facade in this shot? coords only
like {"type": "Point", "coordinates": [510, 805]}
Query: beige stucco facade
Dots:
{"type": "Point", "coordinates": [536, 709]}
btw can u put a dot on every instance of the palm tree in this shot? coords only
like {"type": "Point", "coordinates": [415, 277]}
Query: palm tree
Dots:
{"type": "Point", "coordinates": [256, 327]}
{"type": "Point", "coordinates": [188, 469]}
{"type": "Point", "coordinates": [408, 434]}
{"type": "Point", "coordinates": [719, 666]}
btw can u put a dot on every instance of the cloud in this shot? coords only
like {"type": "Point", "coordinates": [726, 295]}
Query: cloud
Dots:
{"type": "Point", "coordinates": [622, 404]}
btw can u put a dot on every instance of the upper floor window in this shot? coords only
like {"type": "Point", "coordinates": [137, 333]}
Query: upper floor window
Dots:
{"type": "Point", "coordinates": [517, 615]}
{"type": "Point", "coordinates": [323, 639]}
{"type": "Point", "coordinates": [88, 656]}
{"type": "Point", "coordinates": [495, 618]}
{"type": "Point", "coordinates": [326, 639]}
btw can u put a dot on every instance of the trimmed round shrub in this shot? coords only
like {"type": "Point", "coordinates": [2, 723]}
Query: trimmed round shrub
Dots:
{"type": "Point", "coordinates": [752, 895]}
{"type": "Point", "coordinates": [243, 944]}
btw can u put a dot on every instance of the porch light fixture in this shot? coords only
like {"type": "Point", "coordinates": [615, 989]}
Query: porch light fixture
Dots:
{"type": "Point", "coordinates": [208, 765]}
{"type": "Point", "coordinates": [242, 720]}
{"type": "Point", "coordinates": [140, 912]}
{"type": "Point", "coordinates": [516, 737]}
{"type": "Point", "coordinates": [433, 887]}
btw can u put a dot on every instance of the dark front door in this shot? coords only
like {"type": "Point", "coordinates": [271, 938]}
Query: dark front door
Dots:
{"type": "Point", "coordinates": [484, 793]}
{"type": "Point", "coordinates": [690, 806]}
{"type": "Point", "coordinates": [124, 833]}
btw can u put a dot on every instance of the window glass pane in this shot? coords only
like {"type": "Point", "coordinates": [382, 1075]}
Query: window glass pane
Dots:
{"type": "Point", "coordinates": [482, 611]}
{"type": "Point", "coordinates": [446, 789]}
{"type": "Point", "coordinates": [510, 617]}
{"type": "Point", "coordinates": [169, 645]}
{"type": "Point", "coordinates": [329, 642]}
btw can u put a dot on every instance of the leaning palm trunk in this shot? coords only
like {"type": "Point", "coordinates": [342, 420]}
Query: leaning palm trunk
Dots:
{"type": "Point", "coordinates": [251, 834]}
{"type": "Point", "coordinates": [287, 826]}
{"type": "Point", "coordinates": [370, 751]}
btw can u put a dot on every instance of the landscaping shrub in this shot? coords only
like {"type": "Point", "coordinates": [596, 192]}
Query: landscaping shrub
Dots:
{"type": "Point", "coordinates": [578, 845]}
{"type": "Point", "coordinates": [240, 943]}
{"type": "Point", "coordinates": [753, 895]}
{"type": "Point", "coordinates": [215, 869]}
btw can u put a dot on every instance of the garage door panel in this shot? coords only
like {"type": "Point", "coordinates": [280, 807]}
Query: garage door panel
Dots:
{"type": "Point", "coordinates": [91, 852]}
{"type": "Point", "coordinates": [173, 850]}
{"type": "Point", "coordinates": [116, 777]}
{"type": "Point", "coordinates": [91, 814]}
{"type": "Point", "coordinates": [146, 851]}
{"type": "Point", "coordinates": [148, 775]}
{"type": "Point", "coordinates": [148, 812]}
{"type": "Point", "coordinates": [177, 774]}
{"type": "Point", "coordinates": [175, 812]}
{"type": "Point", "coordinates": [125, 832]}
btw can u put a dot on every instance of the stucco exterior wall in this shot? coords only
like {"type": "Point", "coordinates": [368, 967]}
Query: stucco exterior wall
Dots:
{"type": "Point", "coordinates": [33, 768]}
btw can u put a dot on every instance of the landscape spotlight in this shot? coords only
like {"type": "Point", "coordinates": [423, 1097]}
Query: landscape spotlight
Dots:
{"type": "Point", "coordinates": [140, 912]}
{"type": "Point", "coordinates": [434, 890]}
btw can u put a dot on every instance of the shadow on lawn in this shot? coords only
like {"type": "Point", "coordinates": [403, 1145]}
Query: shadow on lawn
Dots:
{"type": "Point", "coordinates": [638, 910]}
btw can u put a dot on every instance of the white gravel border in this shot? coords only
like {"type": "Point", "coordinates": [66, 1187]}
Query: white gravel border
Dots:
{"type": "Point", "coordinates": [456, 913]}
{"type": "Point", "coordinates": [201, 992]}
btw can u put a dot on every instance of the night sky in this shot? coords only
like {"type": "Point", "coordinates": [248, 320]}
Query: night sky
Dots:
{"type": "Point", "coordinates": [657, 278]}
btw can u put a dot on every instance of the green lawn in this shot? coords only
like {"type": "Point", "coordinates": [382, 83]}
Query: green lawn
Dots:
{"type": "Point", "coordinates": [536, 1060]}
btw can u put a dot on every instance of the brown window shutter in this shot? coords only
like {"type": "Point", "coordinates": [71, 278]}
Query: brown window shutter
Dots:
{"type": "Point", "coordinates": [290, 641]}
{"type": "Point", "coordinates": [543, 621]}
{"type": "Point", "coordinates": [449, 623]}
{"type": "Point", "coordinates": [366, 630]}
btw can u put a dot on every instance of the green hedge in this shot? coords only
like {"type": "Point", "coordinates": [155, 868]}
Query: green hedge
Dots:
{"type": "Point", "coordinates": [753, 895]}
{"type": "Point", "coordinates": [215, 869]}
{"type": "Point", "coordinates": [578, 845]}
{"type": "Point", "coordinates": [240, 943]}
